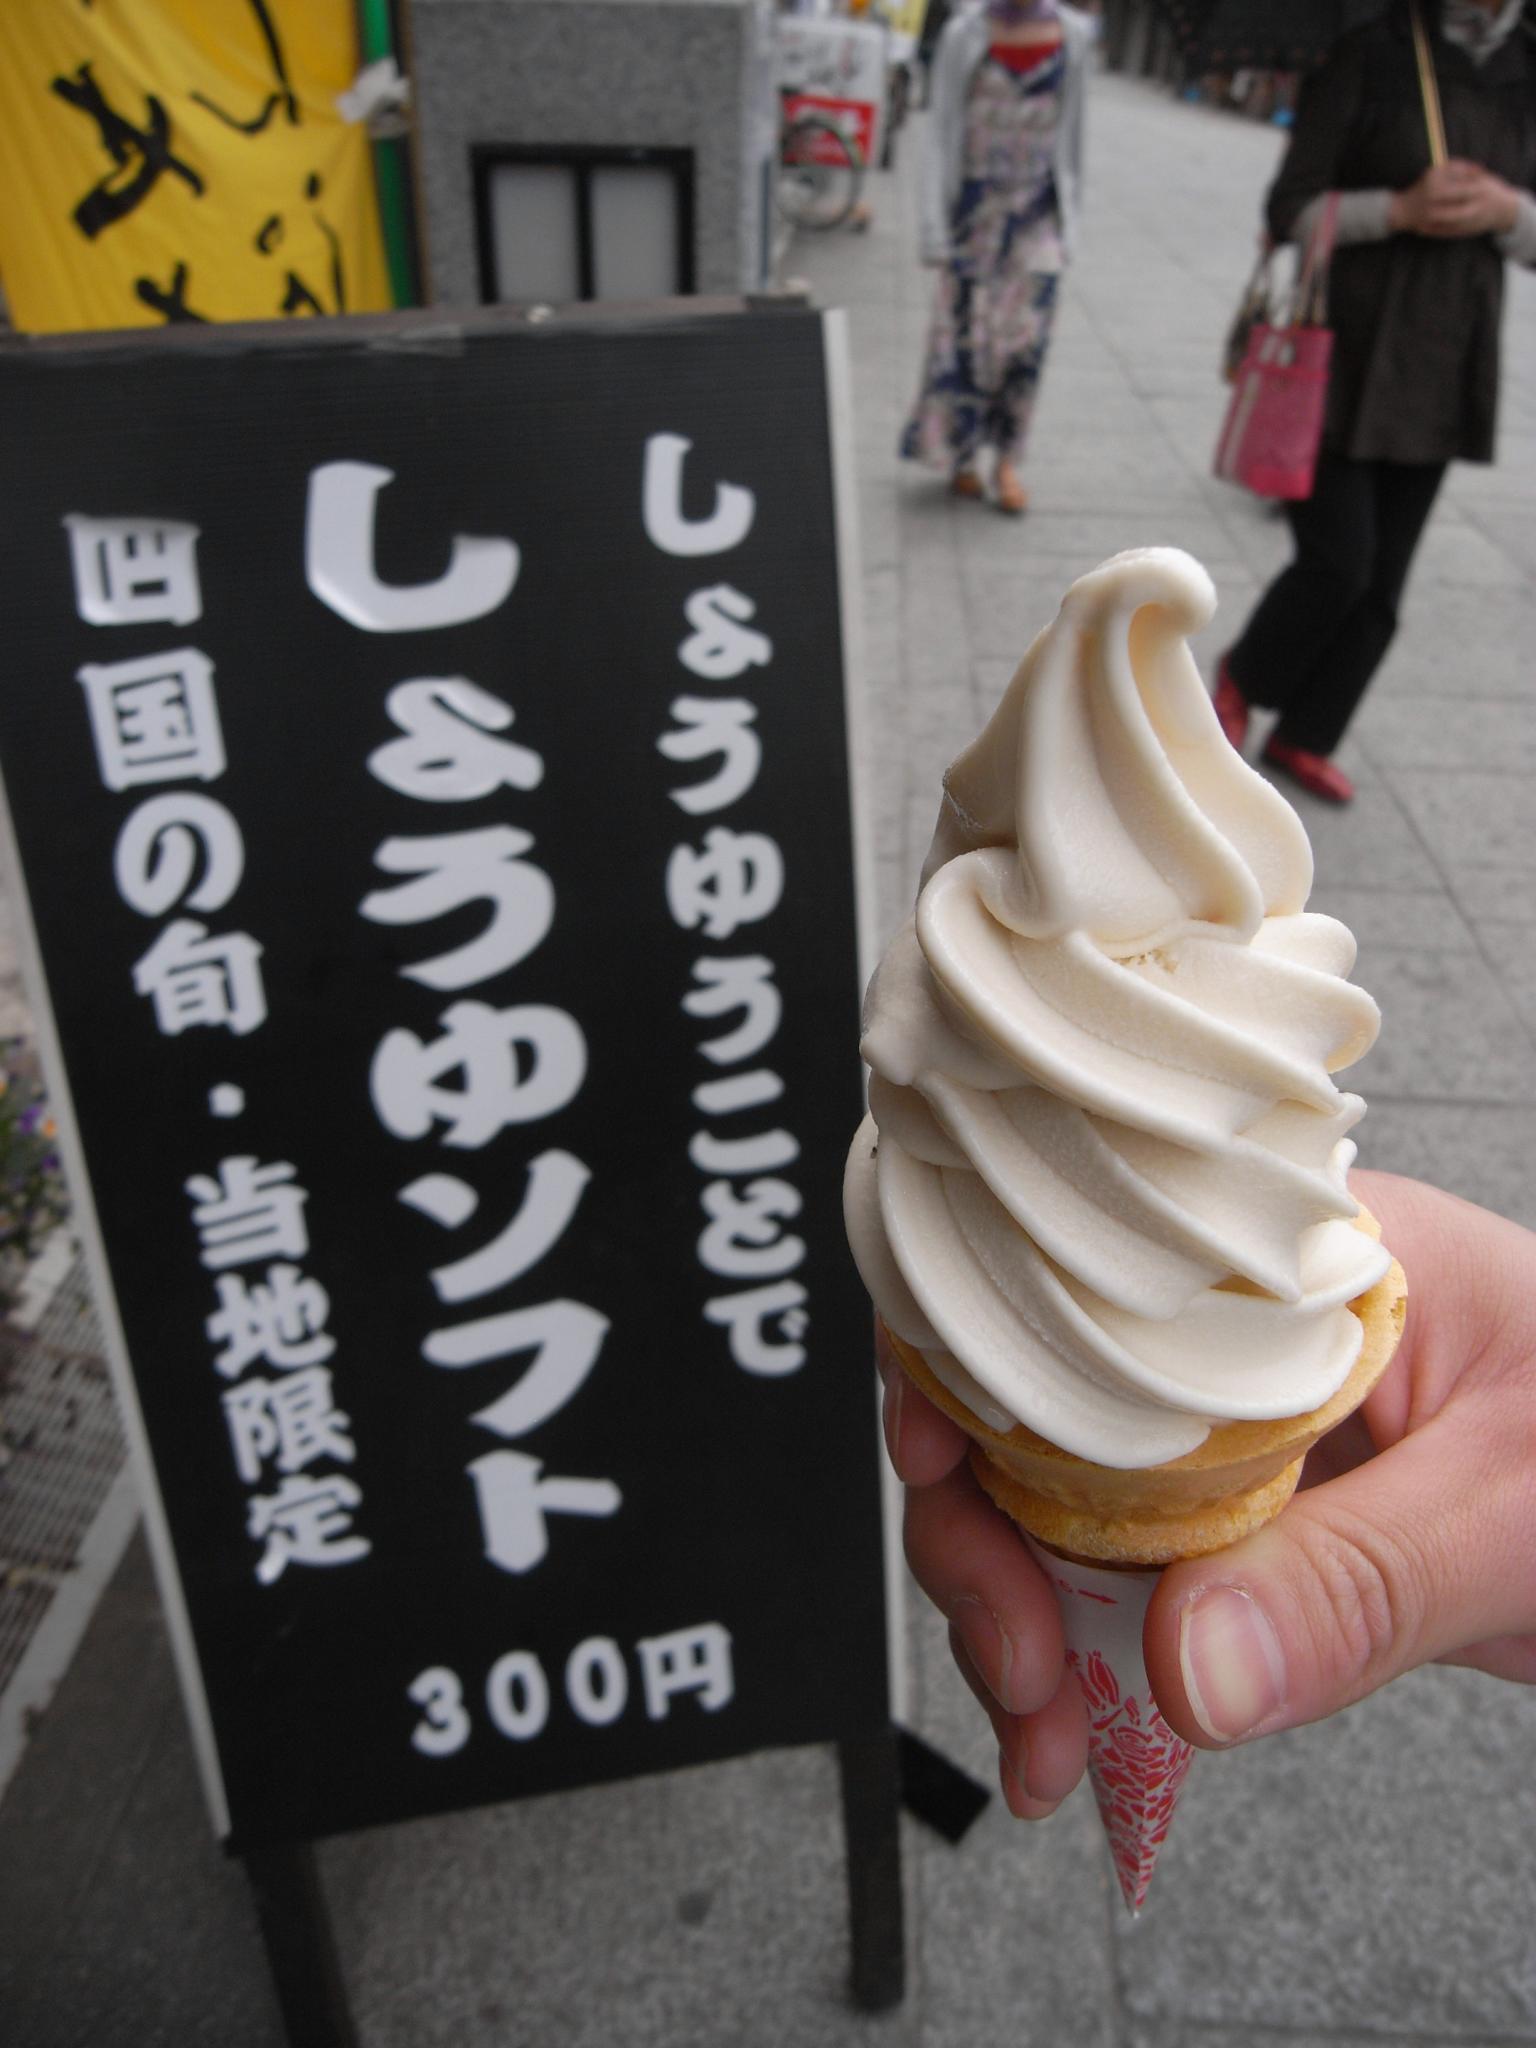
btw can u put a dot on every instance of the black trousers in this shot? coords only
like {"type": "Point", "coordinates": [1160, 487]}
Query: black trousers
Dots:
{"type": "Point", "coordinates": [1319, 632]}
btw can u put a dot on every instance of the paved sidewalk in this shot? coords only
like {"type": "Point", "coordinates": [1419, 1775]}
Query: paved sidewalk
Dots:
{"type": "Point", "coordinates": [1363, 1881]}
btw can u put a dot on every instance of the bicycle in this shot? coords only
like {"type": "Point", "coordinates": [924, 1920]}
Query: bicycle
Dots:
{"type": "Point", "coordinates": [821, 171]}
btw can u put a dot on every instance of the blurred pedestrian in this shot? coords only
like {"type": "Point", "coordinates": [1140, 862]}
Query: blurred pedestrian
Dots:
{"type": "Point", "coordinates": [1000, 202]}
{"type": "Point", "coordinates": [1414, 299]}
{"type": "Point", "coordinates": [928, 42]}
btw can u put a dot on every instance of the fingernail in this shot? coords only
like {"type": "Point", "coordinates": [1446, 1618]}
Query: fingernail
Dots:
{"type": "Point", "coordinates": [1021, 1802]}
{"type": "Point", "coordinates": [990, 1648]}
{"type": "Point", "coordinates": [895, 1388]}
{"type": "Point", "coordinates": [1233, 1666]}
{"type": "Point", "coordinates": [1015, 1791]}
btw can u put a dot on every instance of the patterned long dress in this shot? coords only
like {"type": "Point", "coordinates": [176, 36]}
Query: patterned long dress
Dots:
{"type": "Point", "coordinates": [997, 293]}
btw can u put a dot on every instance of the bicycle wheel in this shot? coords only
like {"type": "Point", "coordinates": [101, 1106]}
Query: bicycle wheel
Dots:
{"type": "Point", "coordinates": [821, 173]}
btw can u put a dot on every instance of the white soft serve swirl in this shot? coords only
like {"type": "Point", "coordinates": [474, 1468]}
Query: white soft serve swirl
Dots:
{"type": "Point", "coordinates": [1101, 1186]}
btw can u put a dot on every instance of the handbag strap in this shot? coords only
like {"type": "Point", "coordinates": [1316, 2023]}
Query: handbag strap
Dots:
{"type": "Point", "coordinates": [1429, 90]}
{"type": "Point", "coordinates": [1258, 281]}
{"type": "Point", "coordinates": [1310, 307]}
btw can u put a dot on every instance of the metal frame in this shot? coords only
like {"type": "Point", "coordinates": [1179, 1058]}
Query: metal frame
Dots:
{"type": "Point", "coordinates": [582, 159]}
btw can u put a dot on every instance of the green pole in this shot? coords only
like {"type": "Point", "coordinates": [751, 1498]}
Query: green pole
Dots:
{"type": "Point", "coordinates": [391, 172]}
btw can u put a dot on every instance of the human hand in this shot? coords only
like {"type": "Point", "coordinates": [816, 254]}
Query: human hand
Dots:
{"type": "Point", "coordinates": [1455, 199]}
{"type": "Point", "coordinates": [1415, 1546]}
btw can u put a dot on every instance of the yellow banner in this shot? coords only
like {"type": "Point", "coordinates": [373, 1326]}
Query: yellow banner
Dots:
{"type": "Point", "coordinates": [169, 160]}
{"type": "Point", "coordinates": [907, 16]}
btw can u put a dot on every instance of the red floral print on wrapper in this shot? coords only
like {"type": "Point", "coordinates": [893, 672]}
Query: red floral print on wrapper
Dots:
{"type": "Point", "coordinates": [1136, 1764]}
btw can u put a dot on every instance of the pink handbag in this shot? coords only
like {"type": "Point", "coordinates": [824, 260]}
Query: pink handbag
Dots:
{"type": "Point", "coordinates": [1274, 422]}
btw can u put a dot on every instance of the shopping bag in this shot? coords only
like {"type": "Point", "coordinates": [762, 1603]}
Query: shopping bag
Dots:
{"type": "Point", "coordinates": [1274, 424]}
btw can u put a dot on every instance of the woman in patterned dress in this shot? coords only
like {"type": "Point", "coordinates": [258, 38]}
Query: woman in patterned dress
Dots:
{"type": "Point", "coordinates": [999, 215]}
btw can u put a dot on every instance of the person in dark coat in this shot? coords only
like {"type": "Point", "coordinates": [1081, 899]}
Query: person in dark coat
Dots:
{"type": "Point", "coordinates": [1415, 294]}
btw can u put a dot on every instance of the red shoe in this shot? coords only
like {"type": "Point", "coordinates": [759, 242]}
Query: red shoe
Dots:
{"type": "Point", "coordinates": [1231, 707]}
{"type": "Point", "coordinates": [1315, 772]}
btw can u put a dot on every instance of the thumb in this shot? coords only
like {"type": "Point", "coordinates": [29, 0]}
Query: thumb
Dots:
{"type": "Point", "coordinates": [1415, 1553]}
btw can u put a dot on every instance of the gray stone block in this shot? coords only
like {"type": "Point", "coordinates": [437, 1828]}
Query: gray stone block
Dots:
{"type": "Point", "coordinates": [1467, 815]}
{"type": "Point", "coordinates": [1360, 1875]}
{"type": "Point", "coordinates": [1015, 1941]}
{"type": "Point", "coordinates": [1450, 1031]}
{"type": "Point", "coordinates": [124, 1925]}
{"type": "Point", "coordinates": [1488, 893]}
{"type": "Point", "coordinates": [1496, 734]}
{"type": "Point", "coordinates": [1463, 642]}
{"type": "Point", "coordinates": [1508, 943]}
{"type": "Point", "coordinates": [1369, 843]}
{"type": "Point", "coordinates": [1480, 1151]}
{"type": "Point", "coordinates": [701, 1907]}
{"type": "Point", "coordinates": [1398, 920]}
{"type": "Point", "coordinates": [675, 74]}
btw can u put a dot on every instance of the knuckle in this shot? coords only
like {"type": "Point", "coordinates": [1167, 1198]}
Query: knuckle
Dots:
{"type": "Point", "coordinates": [1366, 1604]}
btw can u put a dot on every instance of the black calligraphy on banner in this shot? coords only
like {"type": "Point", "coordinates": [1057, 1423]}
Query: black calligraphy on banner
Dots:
{"type": "Point", "coordinates": [282, 96]}
{"type": "Point", "coordinates": [435, 820]}
{"type": "Point", "coordinates": [141, 154]}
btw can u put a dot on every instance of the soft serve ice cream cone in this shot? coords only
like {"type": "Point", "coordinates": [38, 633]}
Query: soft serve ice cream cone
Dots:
{"type": "Point", "coordinates": [1100, 1198]}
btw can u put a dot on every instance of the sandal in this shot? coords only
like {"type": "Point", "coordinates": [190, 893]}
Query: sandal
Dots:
{"type": "Point", "coordinates": [1315, 772]}
{"type": "Point", "coordinates": [1011, 494]}
{"type": "Point", "coordinates": [965, 483]}
{"type": "Point", "coordinates": [1231, 706]}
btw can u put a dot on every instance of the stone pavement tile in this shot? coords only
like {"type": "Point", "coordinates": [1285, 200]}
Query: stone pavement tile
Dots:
{"type": "Point", "coordinates": [1260, 536]}
{"type": "Point", "coordinates": [1367, 844]}
{"type": "Point", "coordinates": [1191, 423]}
{"type": "Point", "coordinates": [1371, 1874]}
{"type": "Point", "coordinates": [1111, 412]}
{"type": "Point", "coordinates": [1081, 540]}
{"type": "Point", "coordinates": [882, 737]}
{"type": "Point", "coordinates": [1470, 815]}
{"type": "Point", "coordinates": [1015, 1922]}
{"type": "Point", "coordinates": [1496, 497]}
{"type": "Point", "coordinates": [1454, 642]}
{"type": "Point", "coordinates": [1434, 732]}
{"type": "Point", "coordinates": [1481, 1152]}
{"type": "Point", "coordinates": [122, 1924]}
{"type": "Point", "coordinates": [1485, 893]}
{"type": "Point", "coordinates": [1067, 474]}
{"type": "Point", "coordinates": [1396, 919]}
{"type": "Point", "coordinates": [689, 1910]}
{"type": "Point", "coordinates": [879, 541]}
{"type": "Point", "coordinates": [1080, 362]}
{"type": "Point", "coordinates": [989, 678]}
{"type": "Point", "coordinates": [168, 1954]}
{"type": "Point", "coordinates": [1009, 606]}
{"type": "Point", "coordinates": [1192, 378]}
{"type": "Point", "coordinates": [1179, 2033]}
{"type": "Point", "coordinates": [1509, 944]}
{"type": "Point", "coordinates": [1454, 551]}
{"type": "Point", "coordinates": [106, 1718]}
{"type": "Point", "coordinates": [1450, 1030]}
{"type": "Point", "coordinates": [1512, 531]}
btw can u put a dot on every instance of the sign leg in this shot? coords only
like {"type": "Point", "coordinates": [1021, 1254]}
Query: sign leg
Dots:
{"type": "Point", "coordinates": [301, 1953]}
{"type": "Point", "coordinates": [871, 1831]}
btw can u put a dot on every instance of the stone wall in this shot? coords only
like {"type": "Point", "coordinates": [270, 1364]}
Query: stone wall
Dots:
{"type": "Point", "coordinates": [672, 74]}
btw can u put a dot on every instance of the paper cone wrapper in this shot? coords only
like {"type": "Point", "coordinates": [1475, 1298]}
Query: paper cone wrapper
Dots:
{"type": "Point", "coordinates": [1103, 1534]}
{"type": "Point", "coordinates": [1136, 1764]}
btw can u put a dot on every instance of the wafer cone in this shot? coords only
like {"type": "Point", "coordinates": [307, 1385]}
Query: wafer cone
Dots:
{"type": "Point", "coordinates": [1102, 1535]}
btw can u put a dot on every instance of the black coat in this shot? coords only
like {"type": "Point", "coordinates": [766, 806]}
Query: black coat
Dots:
{"type": "Point", "coordinates": [1416, 319]}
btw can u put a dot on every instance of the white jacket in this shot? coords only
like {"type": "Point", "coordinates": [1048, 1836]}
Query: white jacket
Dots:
{"type": "Point", "coordinates": [962, 47]}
